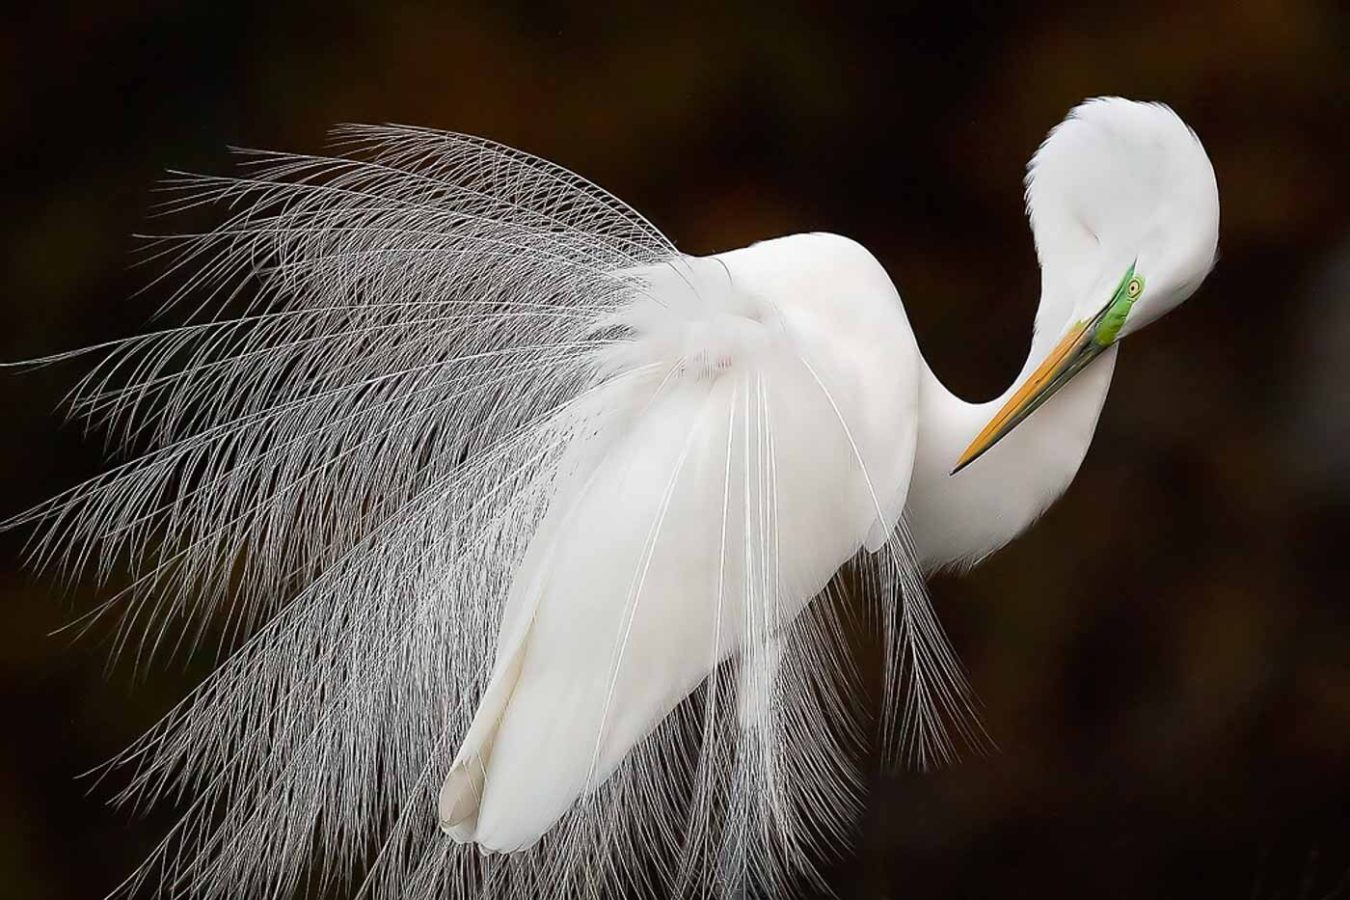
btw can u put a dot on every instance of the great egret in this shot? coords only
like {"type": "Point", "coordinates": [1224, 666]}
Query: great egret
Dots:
{"type": "Point", "coordinates": [515, 515]}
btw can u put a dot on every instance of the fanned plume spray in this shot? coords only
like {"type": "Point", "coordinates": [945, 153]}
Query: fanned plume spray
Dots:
{"type": "Point", "coordinates": [337, 464]}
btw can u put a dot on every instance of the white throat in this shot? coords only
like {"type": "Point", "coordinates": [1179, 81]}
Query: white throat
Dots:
{"type": "Point", "coordinates": [964, 517]}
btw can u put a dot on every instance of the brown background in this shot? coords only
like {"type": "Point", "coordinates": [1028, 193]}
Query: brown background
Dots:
{"type": "Point", "coordinates": [1164, 660]}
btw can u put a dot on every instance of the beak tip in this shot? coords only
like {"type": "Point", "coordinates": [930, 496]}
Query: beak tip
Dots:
{"type": "Point", "coordinates": [1074, 350]}
{"type": "Point", "coordinates": [974, 450]}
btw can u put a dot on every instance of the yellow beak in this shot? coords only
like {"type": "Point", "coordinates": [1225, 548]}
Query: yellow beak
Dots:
{"type": "Point", "coordinates": [1074, 351]}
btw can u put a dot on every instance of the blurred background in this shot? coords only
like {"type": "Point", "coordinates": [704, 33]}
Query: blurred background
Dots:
{"type": "Point", "coordinates": [1164, 660]}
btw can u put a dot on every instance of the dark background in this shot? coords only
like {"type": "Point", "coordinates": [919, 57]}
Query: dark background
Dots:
{"type": "Point", "coordinates": [1164, 660]}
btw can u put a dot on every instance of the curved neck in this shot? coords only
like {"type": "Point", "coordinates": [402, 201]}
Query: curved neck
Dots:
{"type": "Point", "coordinates": [958, 519]}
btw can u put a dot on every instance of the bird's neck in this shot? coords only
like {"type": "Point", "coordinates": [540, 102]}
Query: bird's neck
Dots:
{"type": "Point", "coordinates": [958, 519]}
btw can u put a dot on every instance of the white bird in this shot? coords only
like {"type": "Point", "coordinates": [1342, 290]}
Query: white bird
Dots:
{"type": "Point", "coordinates": [525, 525]}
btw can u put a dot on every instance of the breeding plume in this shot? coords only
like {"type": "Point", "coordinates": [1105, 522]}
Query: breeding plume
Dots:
{"type": "Point", "coordinates": [522, 535]}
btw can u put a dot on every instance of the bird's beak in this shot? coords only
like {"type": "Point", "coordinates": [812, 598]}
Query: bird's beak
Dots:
{"type": "Point", "coordinates": [1080, 346]}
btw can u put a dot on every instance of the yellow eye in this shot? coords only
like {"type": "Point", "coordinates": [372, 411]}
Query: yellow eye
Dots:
{"type": "Point", "coordinates": [1134, 288]}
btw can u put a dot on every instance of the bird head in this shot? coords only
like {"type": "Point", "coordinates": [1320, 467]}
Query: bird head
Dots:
{"type": "Point", "coordinates": [1125, 212]}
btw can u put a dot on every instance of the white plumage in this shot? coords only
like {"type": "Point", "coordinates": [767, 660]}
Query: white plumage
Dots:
{"type": "Point", "coordinates": [516, 521]}
{"type": "Point", "coordinates": [725, 414]}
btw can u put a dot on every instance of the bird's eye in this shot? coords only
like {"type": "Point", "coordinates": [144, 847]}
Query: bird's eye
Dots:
{"type": "Point", "coordinates": [1134, 288]}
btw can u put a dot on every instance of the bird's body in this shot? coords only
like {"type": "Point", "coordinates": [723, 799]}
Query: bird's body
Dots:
{"type": "Point", "coordinates": [543, 517]}
{"type": "Point", "coordinates": [771, 385]}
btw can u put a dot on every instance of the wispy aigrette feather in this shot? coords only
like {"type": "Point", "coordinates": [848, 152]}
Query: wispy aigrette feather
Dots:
{"type": "Point", "coordinates": [429, 339]}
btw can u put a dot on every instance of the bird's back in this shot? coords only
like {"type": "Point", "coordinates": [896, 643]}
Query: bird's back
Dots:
{"type": "Point", "coordinates": [753, 429]}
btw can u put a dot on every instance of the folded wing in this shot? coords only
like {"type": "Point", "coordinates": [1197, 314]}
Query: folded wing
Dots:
{"type": "Point", "coordinates": [752, 427]}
